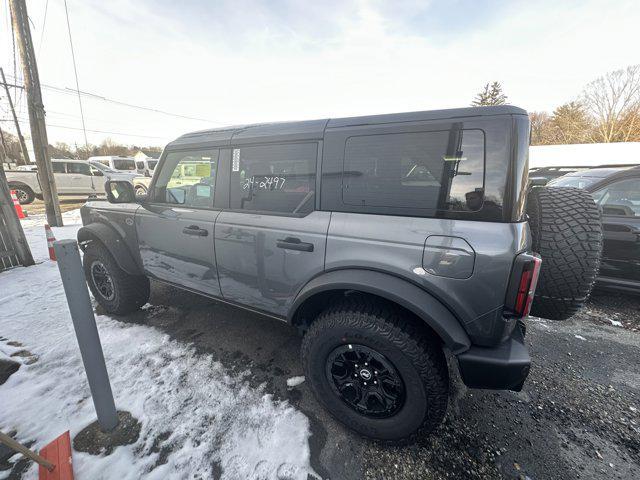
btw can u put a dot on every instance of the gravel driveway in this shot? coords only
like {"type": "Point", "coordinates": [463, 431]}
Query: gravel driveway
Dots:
{"type": "Point", "coordinates": [577, 417]}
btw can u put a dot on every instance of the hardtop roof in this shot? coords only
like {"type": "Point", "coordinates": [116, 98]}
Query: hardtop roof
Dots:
{"type": "Point", "coordinates": [314, 129]}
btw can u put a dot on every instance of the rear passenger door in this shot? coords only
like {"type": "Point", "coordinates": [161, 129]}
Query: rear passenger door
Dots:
{"type": "Point", "coordinates": [272, 240]}
{"type": "Point", "coordinates": [63, 181]}
{"type": "Point", "coordinates": [175, 226]}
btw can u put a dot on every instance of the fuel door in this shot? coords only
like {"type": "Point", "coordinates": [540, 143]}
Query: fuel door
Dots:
{"type": "Point", "coordinates": [446, 256]}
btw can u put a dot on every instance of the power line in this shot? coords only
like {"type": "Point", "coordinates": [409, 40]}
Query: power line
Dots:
{"type": "Point", "coordinates": [25, 121]}
{"type": "Point", "coordinates": [44, 23]}
{"type": "Point", "coordinates": [71, 91]}
{"type": "Point", "coordinates": [75, 71]}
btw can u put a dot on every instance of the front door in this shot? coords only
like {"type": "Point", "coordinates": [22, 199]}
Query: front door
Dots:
{"type": "Point", "coordinates": [79, 178]}
{"type": "Point", "coordinates": [271, 241]}
{"type": "Point", "coordinates": [176, 225]}
{"type": "Point", "coordinates": [620, 205]}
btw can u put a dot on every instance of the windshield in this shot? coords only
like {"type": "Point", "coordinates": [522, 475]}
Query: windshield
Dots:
{"type": "Point", "coordinates": [124, 164]}
{"type": "Point", "coordinates": [102, 167]}
{"type": "Point", "coordinates": [573, 181]}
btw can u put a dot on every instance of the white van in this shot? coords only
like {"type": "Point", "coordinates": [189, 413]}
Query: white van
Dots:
{"type": "Point", "coordinates": [122, 164]}
{"type": "Point", "coordinates": [146, 166]}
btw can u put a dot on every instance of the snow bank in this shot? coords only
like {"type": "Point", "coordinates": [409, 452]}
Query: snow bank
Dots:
{"type": "Point", "coordinates": [195, 416]}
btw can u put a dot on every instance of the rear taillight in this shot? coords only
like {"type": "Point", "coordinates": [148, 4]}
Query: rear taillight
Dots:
{"type": "Point", "coordinates": [522, 288]}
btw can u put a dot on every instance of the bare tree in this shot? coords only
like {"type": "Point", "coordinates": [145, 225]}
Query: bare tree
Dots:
{"type": "Point", "coordinates": [614, 102]}
{"type": "Point", "coordinates": [541, 128]}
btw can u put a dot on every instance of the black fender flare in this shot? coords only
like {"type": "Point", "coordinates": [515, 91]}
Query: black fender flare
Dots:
{"type": "Point", "coordinates": [18, 183]}
{"type": "Point", "coordinates": [111, 239]}
{"type": "Point", "coordinates": [402, 292]}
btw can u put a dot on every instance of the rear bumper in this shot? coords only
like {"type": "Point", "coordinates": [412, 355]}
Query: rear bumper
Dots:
{"type": "Point", "coordinates": [504, 367]}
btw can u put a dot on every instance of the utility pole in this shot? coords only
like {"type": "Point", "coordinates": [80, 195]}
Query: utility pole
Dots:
{"type": "Point", "coordinates": [12, 223]}
{"type": "Point", "coordinates": [23, 146]}
{"type": "Point", "coordinates": [5, 152]}
{"type": "Point", "coordinates": [36, 111]}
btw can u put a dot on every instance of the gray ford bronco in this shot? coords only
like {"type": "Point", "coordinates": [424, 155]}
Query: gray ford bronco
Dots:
{"type": "Point", "coordinates": [394, 243]}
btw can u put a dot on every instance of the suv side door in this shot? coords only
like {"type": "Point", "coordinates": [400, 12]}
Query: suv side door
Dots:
{"type": "Point", "coordinates": [80, 178]}
{"type": "Point", "coordinates": [62, 179]}
{"type": "Point", "coordinates": [272, 240]}
{"type": "Point", "coordinates": [175, 226]}
{"type": "Point", "coordinates": [620, 204]}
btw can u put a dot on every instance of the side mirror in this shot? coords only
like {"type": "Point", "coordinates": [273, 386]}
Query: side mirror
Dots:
{"type": "Point", "coordinates": [120, 191]}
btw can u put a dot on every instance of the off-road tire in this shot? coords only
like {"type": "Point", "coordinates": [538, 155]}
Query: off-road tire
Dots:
{"type": "Point", "coordinates": [25, 194]}
{"type": "Point", "coordinates": [412, 349]}
{"type": "Point", "coordinates": [131, 291]}
{"type": "Point", "coordinates": [566, 228]}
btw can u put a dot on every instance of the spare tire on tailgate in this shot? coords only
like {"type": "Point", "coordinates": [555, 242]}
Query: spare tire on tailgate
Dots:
{"type": "Point", "coordinates": [566, 229]}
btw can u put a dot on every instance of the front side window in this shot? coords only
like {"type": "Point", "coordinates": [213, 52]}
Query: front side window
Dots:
{"type": "Point", "coordinates": [620, 198]}
{"type": "Point", "coordinates": [58, 167]}
{"type": "Point", "coordinates": [79, 168]}
{"type": "Point", "coordinates": [427, 170]}
{"type": "Point", "coordinates": [188, 178]}
{"type": "Point", "coordinates": [274, 178]}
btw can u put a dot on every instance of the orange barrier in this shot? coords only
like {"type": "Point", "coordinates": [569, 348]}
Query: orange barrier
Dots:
{"type": "Point", "coordinates": [50, 239]}
{"type": "Point", "coordinates": [57, 452]}
{"type": "Point", "coordinates": [16, 205]}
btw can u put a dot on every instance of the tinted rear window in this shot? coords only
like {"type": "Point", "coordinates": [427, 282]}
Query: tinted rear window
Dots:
{"type": "Point", "coordinates": [124, 164]}
{"type": "Point", "coordinates": [431, 170]}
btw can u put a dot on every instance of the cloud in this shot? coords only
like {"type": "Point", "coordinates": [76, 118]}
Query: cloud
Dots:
{"type": "Point", "coordinates": [247, 61]}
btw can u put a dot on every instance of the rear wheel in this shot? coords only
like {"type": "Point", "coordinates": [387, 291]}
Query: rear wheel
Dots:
{"type": "Point", "coordinates": [376, 371]}
{"type": "Point", "coordinates": [24, 194]}
{"type": "Point", "coordinates": [566, 229]}
{"type": "Point", "coordinates": [113, 288]}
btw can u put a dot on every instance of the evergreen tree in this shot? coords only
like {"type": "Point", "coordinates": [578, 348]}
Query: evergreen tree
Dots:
{"type": "Point", "coordinates": [492, 94]}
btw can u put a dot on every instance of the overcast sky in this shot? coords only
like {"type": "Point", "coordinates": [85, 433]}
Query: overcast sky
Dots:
{"type": "Point", "coordinates": [231, 62]}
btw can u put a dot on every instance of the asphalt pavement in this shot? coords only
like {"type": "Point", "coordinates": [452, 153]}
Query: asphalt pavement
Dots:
{"type": "Point", "coordinates": [578, 416]}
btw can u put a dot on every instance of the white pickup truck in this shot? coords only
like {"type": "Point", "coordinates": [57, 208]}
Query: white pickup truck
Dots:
{"type": "Point", "coordinates": [72, 177]}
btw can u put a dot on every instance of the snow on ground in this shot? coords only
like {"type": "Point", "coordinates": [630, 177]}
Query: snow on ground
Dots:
{"type": "Point", "coordinates": [294, 381]}
{"type": "Point", "coordinates": [195, 416]}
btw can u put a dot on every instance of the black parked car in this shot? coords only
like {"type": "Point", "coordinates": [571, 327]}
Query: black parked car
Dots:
{"type": "Point", "coordinates": [617, 193]}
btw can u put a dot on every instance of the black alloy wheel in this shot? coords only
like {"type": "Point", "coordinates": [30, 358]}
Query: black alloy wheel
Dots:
{"type": "Point", "coordinates": [102, 280]}
{"type": "Point", "coordinates": [365, 380]}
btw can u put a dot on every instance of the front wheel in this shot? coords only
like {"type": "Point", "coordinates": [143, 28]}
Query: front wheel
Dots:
{"type": "Point", "coordinates": [114, 289]}
{"type": "Point", "coordinates": [23, 193]}
{"type": "Point", "coordinates": [376, 371]}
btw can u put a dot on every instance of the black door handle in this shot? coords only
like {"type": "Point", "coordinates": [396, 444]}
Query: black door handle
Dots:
{"type": "Point", "coordinates": [195, 230]}
{"type": "Point", "coordinates": [293, 243]}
